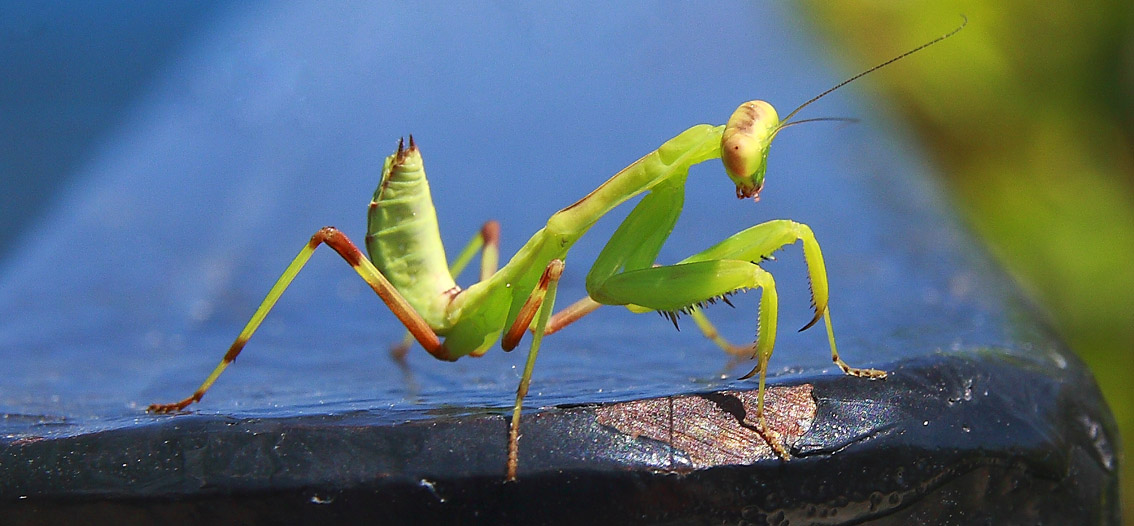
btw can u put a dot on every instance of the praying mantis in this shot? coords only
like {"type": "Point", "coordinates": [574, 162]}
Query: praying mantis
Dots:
{"type": "Point", "coordinates": [408, 270]}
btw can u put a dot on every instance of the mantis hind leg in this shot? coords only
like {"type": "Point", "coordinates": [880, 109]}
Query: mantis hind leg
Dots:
{"type": "Point", "coordinates": [345, 248]}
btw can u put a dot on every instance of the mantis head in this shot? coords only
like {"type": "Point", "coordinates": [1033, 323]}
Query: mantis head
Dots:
{"type": "Point", "coordinates": [750, 130]}
{"type": "Point", "coordinates": [744, 146]}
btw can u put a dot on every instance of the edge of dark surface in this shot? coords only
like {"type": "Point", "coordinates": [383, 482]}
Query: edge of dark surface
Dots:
{"type": "Point", "coordinates": [959, 438]}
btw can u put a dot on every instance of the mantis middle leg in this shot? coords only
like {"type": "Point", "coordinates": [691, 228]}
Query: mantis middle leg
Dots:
{"type": "Point", "coordinates": [540, 303]}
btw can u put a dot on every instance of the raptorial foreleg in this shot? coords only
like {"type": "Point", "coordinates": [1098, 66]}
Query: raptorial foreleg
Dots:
{"type": "Point", "coordinates": [759, 242]}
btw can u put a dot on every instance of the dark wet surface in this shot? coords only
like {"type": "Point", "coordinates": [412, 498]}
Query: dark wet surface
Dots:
{"type": "Point", "coordinates": [267, 122]}
{"type": "Point", "coordinates": [948, 439]}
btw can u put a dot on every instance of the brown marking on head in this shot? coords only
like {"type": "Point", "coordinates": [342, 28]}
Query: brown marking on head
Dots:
{"type": "Point", "coordinates": [751, 113]}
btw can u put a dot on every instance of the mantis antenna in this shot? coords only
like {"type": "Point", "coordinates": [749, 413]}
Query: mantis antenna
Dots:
{"type": "Point", "coordinates": [785, 122]}
{"type": "Point", "coordinates": [850, 120]}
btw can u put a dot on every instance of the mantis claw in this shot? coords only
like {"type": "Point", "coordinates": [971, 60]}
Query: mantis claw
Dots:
{"type": "Point", "coordinates": [818, 316]}
{"type": "Point", "coordinates": [772, 437]}
{"type": "Point", "coordinates": [753, 372]}
{"type": "Point", "coordinates": [171, 408]}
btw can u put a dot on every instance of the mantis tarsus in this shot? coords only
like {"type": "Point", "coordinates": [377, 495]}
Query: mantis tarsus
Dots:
{"type": "Point", "coordinates": [407, 266]}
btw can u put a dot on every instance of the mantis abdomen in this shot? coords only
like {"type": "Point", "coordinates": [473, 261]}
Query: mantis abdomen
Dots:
{"type": "Point", "coordinates": [402, 236]}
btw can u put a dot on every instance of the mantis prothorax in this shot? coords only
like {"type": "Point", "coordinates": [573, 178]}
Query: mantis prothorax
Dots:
{"type": "Point", "coordinates": [407, 266]}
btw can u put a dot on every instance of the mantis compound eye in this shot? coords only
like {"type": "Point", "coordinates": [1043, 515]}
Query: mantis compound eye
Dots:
{"type": "Point", "coordinates": [744, 146]}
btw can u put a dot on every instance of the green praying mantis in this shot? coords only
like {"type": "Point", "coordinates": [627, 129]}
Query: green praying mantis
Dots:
{"type": "Point", "coordinates": [407, 265]}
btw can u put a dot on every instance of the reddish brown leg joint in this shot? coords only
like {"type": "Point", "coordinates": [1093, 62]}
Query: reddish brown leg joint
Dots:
{"type": "Point", "coordinates": [527, 313]}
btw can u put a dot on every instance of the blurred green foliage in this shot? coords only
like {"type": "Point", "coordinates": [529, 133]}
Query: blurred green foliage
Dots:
{"type": "Point", "coordinates": [1029, 114]}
